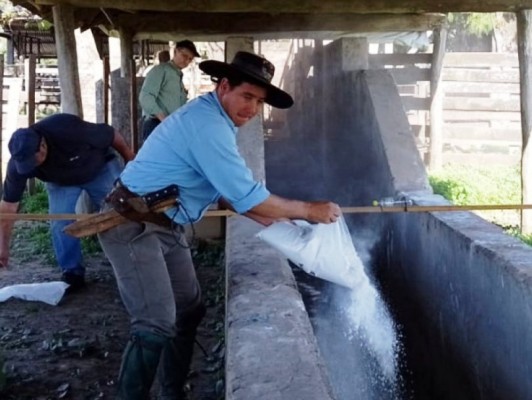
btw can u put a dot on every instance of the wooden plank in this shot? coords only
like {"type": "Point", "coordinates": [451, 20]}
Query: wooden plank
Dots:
{"type": "Point", "coordinates": [472, 88]}
{"type": "Point", "coordinates": [482, 143]}
{"type": "Point", "coordinates": [480, 159]}
{"type": "Point", "coordinates": [452, 131]}
{"type": "Point", "coordinates": [480, 59]}
{"type": "Point", "coordinates": [457, 115]}
{"type": "Point", "coordinates": [47, 71]}
{"type": "Point", "coordinates": [377, 61]}
{"type": "Point", "coordinates": [481, 104]}
{"type": "Point", "coordinates": [415, 103]}
{"type": "Point", "coordinates": [470, 75]}
{"type": "Point", "coordinates": [404, 76]}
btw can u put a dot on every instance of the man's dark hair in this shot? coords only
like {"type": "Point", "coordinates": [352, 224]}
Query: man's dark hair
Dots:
{"type": "Point", "coordinates": [233, 80]}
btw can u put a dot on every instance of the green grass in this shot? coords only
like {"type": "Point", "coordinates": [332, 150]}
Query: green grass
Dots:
{"type": "Point", "coordinates": [474, 185]}
{"type": "Point", "coordinates": [467, 185]}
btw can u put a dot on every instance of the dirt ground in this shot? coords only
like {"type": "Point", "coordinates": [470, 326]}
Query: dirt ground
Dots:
{"type": "Point", "coordinates": [73, 350]}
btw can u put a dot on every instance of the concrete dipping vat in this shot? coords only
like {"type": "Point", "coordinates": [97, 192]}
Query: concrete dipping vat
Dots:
{"type": "Point", "coordinates": [459, 287]}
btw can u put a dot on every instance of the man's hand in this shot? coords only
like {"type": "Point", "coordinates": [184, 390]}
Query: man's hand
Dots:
{"type": "Point", "coordinates": [325, 212]}
{"type": "Point", "coordinates": [275, 207]}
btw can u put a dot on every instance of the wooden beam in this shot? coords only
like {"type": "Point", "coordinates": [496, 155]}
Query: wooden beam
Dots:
{"type": "Point", "coordinates": [241, 23]}
{"type": "Point", "coordinates": [303, 6]}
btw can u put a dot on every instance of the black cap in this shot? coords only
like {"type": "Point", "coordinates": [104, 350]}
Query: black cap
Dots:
{"type": "Point", "coordinates": [187, 44]}
{"type": "Point", "coordinates": [23, 145]}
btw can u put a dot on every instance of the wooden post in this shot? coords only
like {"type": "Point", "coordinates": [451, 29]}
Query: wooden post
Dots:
{"type": "Point", "coordinates": [524, 51]}
{"type": "Point", "coordinates": [67, 59]}
{"type": "Point", "coordinates": [30, 66]}
{"type": "Point", "coordinates": [30, 87]}
{"type": "Point", "coordinates": [133, 110]}
{"type": "Point", "coordinates": [126, 53]}
{"type": "Point", "coordinates": [2, 114]}
{"type": "Point", "coordinates": [436, 106]}
{"type": "Point", "coordinates": [106, 73]}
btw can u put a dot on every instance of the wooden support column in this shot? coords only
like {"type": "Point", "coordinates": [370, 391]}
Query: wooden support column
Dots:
{"type": "Point", "coordinates": [126, 53]}
{"type": "Point", "coordinates": [106, 75]}
{"type": "Point", "coordinates": [133, 107]}
{"type": "Point", "coordinates": [67, 60]}
{"type": "Point", "coordinates": [250, 137]}
{"type": "Point", "coordinates": [319, 84]}
{"type": "Point", "coordinates": [524, 51]}
{"type": "Point", "coordinates": [29, 76]}
{"type": "Point", "coordinates": [10, 52]}
{"type": "Point", "coordinates": [1, 114]}
{"type": "Point", "coordinates": [436, 105]}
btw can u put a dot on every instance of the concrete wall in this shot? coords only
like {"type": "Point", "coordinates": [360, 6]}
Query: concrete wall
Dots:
{"type": "Point", "coordinates": [472, 286]}
{"type": "Point", "coordinates": [460, 287]}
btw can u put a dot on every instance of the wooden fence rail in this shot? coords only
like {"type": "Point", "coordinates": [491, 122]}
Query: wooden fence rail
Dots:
{"type": "Point", "coordinates": [481, 104]}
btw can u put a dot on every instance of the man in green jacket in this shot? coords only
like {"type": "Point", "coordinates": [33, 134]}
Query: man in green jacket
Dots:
{"type": "Point", "coordinates": [162, 91]}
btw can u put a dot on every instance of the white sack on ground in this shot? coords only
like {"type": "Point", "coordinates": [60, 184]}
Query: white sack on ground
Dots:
{"type": "Point", "coordinates": [323, 250]}
{"type": "Point", "coordinates": [47, 292]}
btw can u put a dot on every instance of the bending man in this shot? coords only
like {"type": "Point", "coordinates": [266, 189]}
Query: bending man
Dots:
{"type": "Point", "coordinates": [194, 148]}
{"type": "Point", "coordinates": [69, 155]}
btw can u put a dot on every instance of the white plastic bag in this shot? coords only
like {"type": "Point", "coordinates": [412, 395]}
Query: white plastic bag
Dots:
{"type": "Point", "coordinates": [323, 250]}
{"type": "Point", "coordinates": [47, 292]}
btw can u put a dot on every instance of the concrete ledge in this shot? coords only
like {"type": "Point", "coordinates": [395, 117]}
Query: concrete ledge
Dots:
{"type": "Point", "coordinates": [271, 351]}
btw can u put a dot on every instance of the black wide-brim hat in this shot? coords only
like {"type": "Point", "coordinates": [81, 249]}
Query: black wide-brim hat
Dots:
{"type": "Point", "coordinates": [253, 69]}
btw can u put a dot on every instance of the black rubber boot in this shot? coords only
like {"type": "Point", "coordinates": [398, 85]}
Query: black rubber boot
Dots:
{"type": "Point", "coordinates": [139, 365]}
{"type": "Point", "coordinates": [177, 355]}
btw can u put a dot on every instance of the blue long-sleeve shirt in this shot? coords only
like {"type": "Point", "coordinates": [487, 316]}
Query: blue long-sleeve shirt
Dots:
{"type": "Point", "coordinates": [196, 149]}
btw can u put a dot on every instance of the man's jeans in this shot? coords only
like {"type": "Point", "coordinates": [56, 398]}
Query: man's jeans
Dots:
{"type": "Point", "coordinates": [62, 200]}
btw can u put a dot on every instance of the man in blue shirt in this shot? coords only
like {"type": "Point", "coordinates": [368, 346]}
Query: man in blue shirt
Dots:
{"type": "Point", "coordinates": [194, 148]}
{"type": "Point", "coordinates": [69, 155]}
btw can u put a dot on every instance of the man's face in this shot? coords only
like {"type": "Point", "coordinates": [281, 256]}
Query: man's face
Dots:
{"type": "Point", "coordinates": [41, 154]}
{"type": "Point", "coordinates": [241, 102]}
{"type": "Point", "coordinates": [182, 57]}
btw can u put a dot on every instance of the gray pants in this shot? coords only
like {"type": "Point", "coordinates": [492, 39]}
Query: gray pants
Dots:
{"type": "Point", "coordinates": [154, 272]}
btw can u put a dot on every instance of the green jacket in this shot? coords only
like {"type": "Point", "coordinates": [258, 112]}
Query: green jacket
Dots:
{"type": "Point", "coordinates": [162, 90]}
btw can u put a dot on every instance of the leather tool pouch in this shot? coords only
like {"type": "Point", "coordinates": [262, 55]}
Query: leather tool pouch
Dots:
{"type": "Point", "coordinates": [139, 208]}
